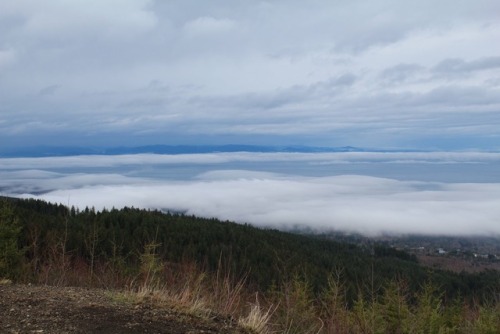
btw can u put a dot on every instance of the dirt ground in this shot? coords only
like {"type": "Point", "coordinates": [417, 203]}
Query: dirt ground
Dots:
{"type": "Point", "coordinates": [46, 309]}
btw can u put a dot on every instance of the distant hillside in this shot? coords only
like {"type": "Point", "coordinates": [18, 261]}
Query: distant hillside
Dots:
{"type": "Point", "coordinates": [266, 257]}
{"type": "Point", "coordinates": [267, 281]}
{"type": "Point", "coordinates": [45, 151]}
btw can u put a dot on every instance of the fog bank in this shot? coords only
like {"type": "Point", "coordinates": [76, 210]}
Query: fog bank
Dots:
{"type": "Point", "coordinates": [256, 193]}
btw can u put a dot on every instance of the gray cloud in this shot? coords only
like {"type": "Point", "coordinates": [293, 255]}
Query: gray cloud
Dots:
{"type": "Point", "coordinates": [455, 65]}
{"type": "Point", "coordinates": [295, 72]}
{"type": "Point", "coordinates": [49, 90]}
{"type": "Point", "coordinates": [401, 72]}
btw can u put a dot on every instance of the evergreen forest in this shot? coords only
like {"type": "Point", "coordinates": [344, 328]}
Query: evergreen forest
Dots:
{"type": "Point", "coordinates": [294, 283]}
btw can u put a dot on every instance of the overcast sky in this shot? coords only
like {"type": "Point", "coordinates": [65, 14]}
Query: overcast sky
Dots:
{"type": "Point", "coordinates": [381, 73]}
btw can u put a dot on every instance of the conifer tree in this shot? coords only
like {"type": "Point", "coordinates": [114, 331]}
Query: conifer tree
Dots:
{"type": "Point", "coordinates": [10, 253]}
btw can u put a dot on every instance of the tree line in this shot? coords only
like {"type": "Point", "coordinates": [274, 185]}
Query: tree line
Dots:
{"type": "Point", "coordinates": [43, 241]}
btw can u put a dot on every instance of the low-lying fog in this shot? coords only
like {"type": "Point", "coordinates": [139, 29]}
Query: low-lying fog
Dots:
{"type": "Point", "coordinates": [371, 193]}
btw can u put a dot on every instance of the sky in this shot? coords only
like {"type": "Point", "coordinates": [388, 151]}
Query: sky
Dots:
{"type": "Point", "coordinates": [421, 77]}
{"type": "Point", "coordinates": [380, 74]}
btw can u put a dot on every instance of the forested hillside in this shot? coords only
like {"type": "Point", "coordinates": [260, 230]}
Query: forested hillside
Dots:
{"type": "Point", "coordinates": [48, 243]}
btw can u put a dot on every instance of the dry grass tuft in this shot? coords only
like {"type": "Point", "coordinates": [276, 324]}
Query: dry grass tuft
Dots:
{"type": "Point", "coordinates": [257, 320]}
{"type": "Point", "coordinates": [5, 281]}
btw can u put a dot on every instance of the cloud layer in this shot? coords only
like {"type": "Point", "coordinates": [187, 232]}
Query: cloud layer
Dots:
{"type": "Point", "coordinates": [358, 203]}
{"type": "Point", "coordinates": [348, 203]}
{"type": "Point", "coordinates": [381, 73]}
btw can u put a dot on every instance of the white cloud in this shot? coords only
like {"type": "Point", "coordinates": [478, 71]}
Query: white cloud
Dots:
{"type": "Point", "coordinates": [60, 18]}
{"type": "Point", "coordinates": [83, 161]}
{"type": "Point", "coordinates": [412, 203]}
{"type": "Point", "coordinates": [115, 161]}
{"type": "Point", "coordinates": [208, 25]}
{"type": "Point", "coordinates": [348, 203]}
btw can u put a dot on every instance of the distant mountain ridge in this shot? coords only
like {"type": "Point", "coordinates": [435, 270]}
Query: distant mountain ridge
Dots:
{"type": "Point", "coordinates": [46, 151]}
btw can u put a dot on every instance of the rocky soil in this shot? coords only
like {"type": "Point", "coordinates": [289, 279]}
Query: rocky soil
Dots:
{"type": "Point", "coordinates": [47, 309]}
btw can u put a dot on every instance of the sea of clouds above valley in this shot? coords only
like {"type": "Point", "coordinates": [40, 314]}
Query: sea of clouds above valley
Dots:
{"type": "Point", "coordinates": [356, 203]}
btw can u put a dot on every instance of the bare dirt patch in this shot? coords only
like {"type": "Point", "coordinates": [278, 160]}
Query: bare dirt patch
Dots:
{"type": "Point", "coordinates": [47, 309]}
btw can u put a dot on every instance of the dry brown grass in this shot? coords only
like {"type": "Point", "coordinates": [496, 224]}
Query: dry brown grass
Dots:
{"type": "Point", "coordinates": [258, 318]}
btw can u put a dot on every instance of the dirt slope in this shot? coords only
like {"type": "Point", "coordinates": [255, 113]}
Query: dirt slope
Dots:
{"type": "Point", "coordinates": [45, 309]}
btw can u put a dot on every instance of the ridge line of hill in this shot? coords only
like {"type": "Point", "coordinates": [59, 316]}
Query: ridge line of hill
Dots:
{"type": "Point", "coordinates": [45, 151]}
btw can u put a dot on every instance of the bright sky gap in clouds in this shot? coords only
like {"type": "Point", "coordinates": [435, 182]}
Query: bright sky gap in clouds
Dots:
{"type": "Point", "coordinates": [383, 73]}
{"type": "Point", "coordinates": [421, 76]}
